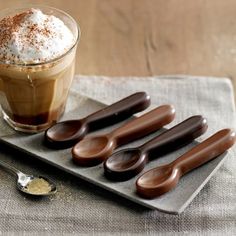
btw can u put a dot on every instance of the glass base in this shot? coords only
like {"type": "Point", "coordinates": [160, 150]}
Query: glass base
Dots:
{"type": "Point", "coordinates": [23, 127]}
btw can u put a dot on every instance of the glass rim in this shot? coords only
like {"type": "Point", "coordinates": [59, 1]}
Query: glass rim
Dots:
{"type": "Point", "coordinates": [32, 64]}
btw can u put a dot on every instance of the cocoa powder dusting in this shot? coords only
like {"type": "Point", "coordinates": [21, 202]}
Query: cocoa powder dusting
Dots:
{"type": "Point", "coordinates": [8, 26]}
{"type": "Point", "coordinates": [11, 24]}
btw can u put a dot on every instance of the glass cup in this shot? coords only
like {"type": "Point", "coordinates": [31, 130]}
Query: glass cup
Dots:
{"type": "Point", "coordinates": [33, 96]}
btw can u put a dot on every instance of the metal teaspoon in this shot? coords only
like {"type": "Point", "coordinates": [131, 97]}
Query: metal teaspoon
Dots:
{"type": "Point", "coordinates": [24, 180]}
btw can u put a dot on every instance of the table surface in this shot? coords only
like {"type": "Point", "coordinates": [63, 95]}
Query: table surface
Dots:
{"type": "Point", "coordinates": [155, 37]}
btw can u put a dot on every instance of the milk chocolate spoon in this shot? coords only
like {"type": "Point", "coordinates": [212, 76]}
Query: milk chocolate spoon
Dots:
{"type": "Point", "coordinates": [127, 163]}
{"type": "Point", "coordinates": [24, 181]}
{"type": "Point", "coordinates": [67, 133]}
{"type": "Point", "coordinates": [162, 179]}
{"type": "Point", "coordinates": [95, 149]}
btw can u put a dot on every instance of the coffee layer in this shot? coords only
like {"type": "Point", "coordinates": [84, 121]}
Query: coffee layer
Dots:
{"type": "Point", "coordinates": [35, 96]}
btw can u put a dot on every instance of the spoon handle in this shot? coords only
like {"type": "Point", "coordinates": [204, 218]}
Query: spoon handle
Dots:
{"type": "Point", "coordinates": [144, 124]}
{"type": "Point", "coordinates": [118, 111]}
{"type": "Point", "coordinates": [205, 151]}
{"type": "Point", "coordinates": [179, 135]}
{"type": "Point", "coordinates": [9, 168]}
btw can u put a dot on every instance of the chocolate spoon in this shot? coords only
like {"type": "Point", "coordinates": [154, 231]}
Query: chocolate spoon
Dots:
{"type": "Point", "coordinates": [162, 179]}
{"type": "Point", "coordinates": [95, 149]}
{"type": "Point", "coordinates": [129, 162]}
{"type": "Point", "coordinates": [67, 133]}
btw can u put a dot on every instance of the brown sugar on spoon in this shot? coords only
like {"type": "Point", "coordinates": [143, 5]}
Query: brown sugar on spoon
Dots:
{"type": "Point", "coordinates": [38, 186]}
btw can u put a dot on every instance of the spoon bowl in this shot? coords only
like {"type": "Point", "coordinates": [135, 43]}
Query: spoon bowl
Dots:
{"type": "Point", "coordinates": [93, 150]}
{"type": "Point", "coordinates": [159, 180]}
{"type": "Point", "coordinates": [24, 181]}
{"type": "Point", "coordinates": [125, 164]}
{"type": "Point", "coordinates": [66, 133]}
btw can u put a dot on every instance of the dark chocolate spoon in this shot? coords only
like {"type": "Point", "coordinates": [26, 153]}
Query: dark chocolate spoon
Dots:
{"type": "Point", "coordinates": [95, 149]}
{"type": "Point", "coordinates": [129, 162]}
{"type": "Point", "coordinates": [67, 133]}
{"type": "Point", "coordinates": [162, 179]}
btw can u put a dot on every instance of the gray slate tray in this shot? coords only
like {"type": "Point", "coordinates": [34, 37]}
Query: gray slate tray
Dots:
{"type": "Point", "coordinates": [173, 202]}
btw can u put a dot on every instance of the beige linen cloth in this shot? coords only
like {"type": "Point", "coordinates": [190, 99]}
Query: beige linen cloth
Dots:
{"type": "Point", "coordinates": [82, 208]}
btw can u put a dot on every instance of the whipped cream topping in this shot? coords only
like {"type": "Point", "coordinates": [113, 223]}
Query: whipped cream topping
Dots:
{"type": "Point", "coordinates": [33, 37]}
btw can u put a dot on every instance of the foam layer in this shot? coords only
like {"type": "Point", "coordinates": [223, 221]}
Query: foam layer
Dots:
{"type": "Point", "coordinates": [33, 37]}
